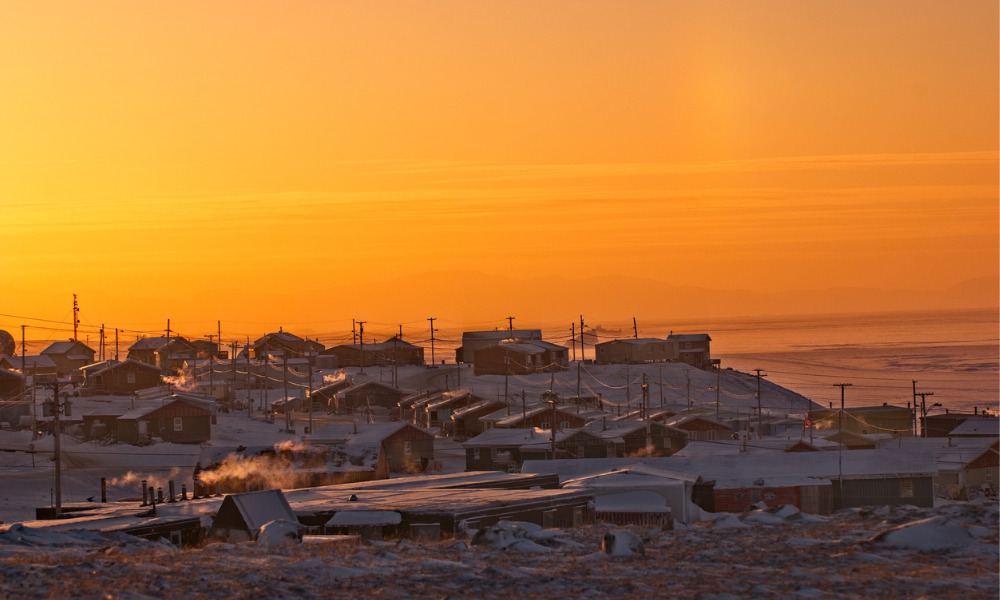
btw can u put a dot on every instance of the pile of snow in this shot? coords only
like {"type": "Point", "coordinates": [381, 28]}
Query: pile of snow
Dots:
{"type": "Point", "coordinates": [926, 535]}
{"type": "Point", "coordinates": [279, 532]}
{"type": "Point", "coordinates": [518, 536]}
{"type": "Point", "coordinates": [622, 543]}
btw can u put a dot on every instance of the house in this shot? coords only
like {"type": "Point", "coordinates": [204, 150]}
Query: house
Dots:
{"type": "Point", "coordinates": [700, 428]}
{"type": "Point", "coordinates": [69, 356]}
{"type": "Point", "coordinates": [167, 353]}
{"type": "Point", "coordinates": [467, 421]}
{"type": "Point", "coordinates": [364, 397]}
{"type": "Point", "coordinates": [180, 420]}
{"type": "Point", "coordinates": [977, 427]}
{"type": "Point", "coordinates": [12, 385]}
{"type": "Point", "coordinates": [284, 344]}
{"type": "Point", "coordinates": [407, 448]}
{"type": "Point", "coordinates": [543, 416]}
{"type": "Point", "coordinates": [866, 420]}
{"type": "Point", "coordinates": [119, 378]}
{"type": "Point", "coordinates": [38, 364]}
{"type": "Point", "coordinates": [816, 482]}
{"type": "Point", "coordinates": [521, 358]}
{"type": "Point", "coordinates": [15, 398]}
{"type": "Point", "coordinates": [617, 487]}
{"type": "Point", "coordinates": [438, 409]}
{"type": "Point", "coordinates": [857, 441]}
{"type": "Point", "coordinates": [204, 349]}
{"type": "Point", "coordinates": [638, 350]}
{"type": "Point", "coordinates": [242, 516]}
{"type": "Point", "coordinates": [505, 449]}
{"type": "Point", "coordinates": [637, 438]}
{"type": "Point", "coordinates": [323, 396]}
{"type": "Point", "coordinates": [394, 351]}
{"type": "Point", "coordinates": [473, 341]}
{"type": "Point", "coordinates": [692, 349]}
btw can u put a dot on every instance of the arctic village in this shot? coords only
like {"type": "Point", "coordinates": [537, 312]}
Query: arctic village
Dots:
{"type": "Point", "coordinates": [617, 446]}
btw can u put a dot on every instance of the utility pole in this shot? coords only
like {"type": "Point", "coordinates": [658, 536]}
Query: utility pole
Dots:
{"type": "Point", "coordinates": [840, 457]}
{"type": "Point", "coordinates": [361, 335]}
{"type": "Point", "coordinates": [645, 411]}
{"type": "Point", "coordinates": [915, 419]}
{"type": "Point", "coordinates": [24, 369]}
{"type": "Point", "coordinates": [572, 337]}
{"type": "Point", "coordinates": [354, 331]}
{"type": "Point", "coordinates": [116, 344]}
{"type": "Point", "coordinates": [309, 394]}
{"type": "Point", "coordinates": [923, 412]}
{"type": "Point", "coordinates": [249, 399]}
{"type": "Point", "coordinates": [510, 326]}
{"type": "Point", "coordinates": [76, 317]}
{"type": "Point", "coordinates": [57, 408]}
{"type": "Point", "coordinates": [687, 375]}
{"type": "Point", "coordinates": [760, 414]}
{"type": "Point", "coordinates": [233, 363]}
{"type": "Point", "coordinates": [718, 383]}
{"type": "Point", "coordinates": [583, 355]}
{"type": "Point", "coordinates": [432, 319]}
{"type": "Point", "coordinates": [635, 329]}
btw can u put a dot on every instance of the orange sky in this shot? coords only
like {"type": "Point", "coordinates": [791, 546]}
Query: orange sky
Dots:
{"type": "Point", "coordinates": [268, 163]}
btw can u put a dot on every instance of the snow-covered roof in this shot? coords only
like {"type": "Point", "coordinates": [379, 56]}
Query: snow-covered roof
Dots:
{"type": "Point", "coordinates": [689, 337]}
{"type": "Point", "coordinates": [356, 433]}
{"type": "Point", "coordinates": [67, 347]}
{"type": "Point", "coordinates": [978, 426]}
{"type": "Point", "coordinates": [856, 464]}
{"type": "Point", "coordinates": [635, 341]}
{"type": "Point", "coordinates": [509, 437]}
{"type": "Point", "coordinates": [535, 334]}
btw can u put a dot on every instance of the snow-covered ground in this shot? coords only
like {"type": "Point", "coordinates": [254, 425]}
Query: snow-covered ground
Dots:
{"type": "Point", "coordinates": [950, 551]}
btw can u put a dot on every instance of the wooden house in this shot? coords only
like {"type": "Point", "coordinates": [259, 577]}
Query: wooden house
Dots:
{"type": "Point", "coordinates": [394, 351]}
{"type": "Point", "coordinates": [178, 420]}
{"type": "Point", "coordinates": [634, 438]}
{"type": "Point", "coordinates": [167, 353]}
{"type": "Point", "coordinates": [639, 350]}
{"type": "Point", "coordinates": [521, 358]}
{"type": "Point", "coordinates": [69, 356]}
{"type": "Point", "coordinates": [242, 516]}
{"type": "Point", "coordinates": [467, 421]}
{"type": "Point", "coordinates": [693, 349]}
{"type": "Point", "coordinates": [288, 345]}
{"type": "Point", "coordinates": [367, 396]}
{"type": "Point", "coordinates": [439, 408]}
{"type": "Point", "coordinates": [700, 429]}
{"type": "Point", "coordinates": [407, 448]}
{"type": "Point", "coordinates": [543, 416]}
{"type": "Point", "coordinates": [29, 365]}
{"type": "Point", "coordinates": [473, 341]}
{"type": "Point", "coordinates": [866, 420]}
{"type": "Point", "coordinates": [116, 378]}
{"type": "Point", "coordinates": [12, 384]}
{"type": "Point", "coordinates": [503, 449]}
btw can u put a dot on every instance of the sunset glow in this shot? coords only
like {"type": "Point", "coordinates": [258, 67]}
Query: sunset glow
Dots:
{"type": "Point", "coordinates": [274, 162]}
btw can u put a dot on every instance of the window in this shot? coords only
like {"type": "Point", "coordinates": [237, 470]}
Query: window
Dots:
{"type": "Point", "coordinates": [130, 378]}
{"type": "Point", "coordinates": [475, 454]}
{"type": "Point", "coordinates": [563, 424]}
{"type": "Point", "coordinates": [178, 424]}
{"type": "Point", "coordinates": [545, 425]}
{"type": "Point", "coordinates": [905, 488]}
{"type": "Point", "coordinates": [407, 447]}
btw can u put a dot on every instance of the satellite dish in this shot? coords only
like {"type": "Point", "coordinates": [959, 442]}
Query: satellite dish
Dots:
{"type": "Point", "coordinates": [7, 344]}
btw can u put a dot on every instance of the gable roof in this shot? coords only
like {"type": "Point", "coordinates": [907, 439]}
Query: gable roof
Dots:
{"type": "Point", "coordinates": [252, 510]}
{"type": "Point", "coordinates": [68, 347]}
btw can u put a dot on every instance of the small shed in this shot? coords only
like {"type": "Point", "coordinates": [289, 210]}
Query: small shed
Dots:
{"type": "Point", "coordinates": [241, 516]}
